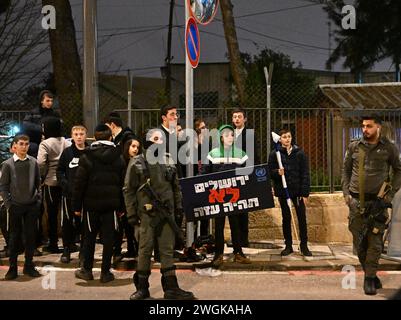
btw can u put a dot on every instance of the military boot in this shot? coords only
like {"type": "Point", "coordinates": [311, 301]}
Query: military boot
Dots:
{"type": "Point", "coordinates": [378, 283]}
{"type": "Point", "coordinates": [172, 291]}
{"type": "Point", "coordinates": [369, 286]}
{"type": "Point", "coordinates": [141, 281]}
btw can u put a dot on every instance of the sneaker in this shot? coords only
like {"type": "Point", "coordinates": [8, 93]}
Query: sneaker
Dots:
{"type": "Point", "coordinates": [217, 261]}
{"type": "Point", "coordinates": [106, 277]}
{"type": "Point", "coordinates": [65, 257]}
{"type": "Point", "coordinates": [51, 249]}
{"type": "Point", "coordinates": [11, 274]}
{"type": "Point", "coordinates": [84, 274]}
{"type": "Point", "coordinates": [305, 251]}
{"type": "Point", "coordinates": [241, 258]}
{"type": "Point", "coordinates": [31, 271]}
{"type": "Point", "coordinates": [208, 272]}
{"type": "Point", "coordinates": [287, 251]}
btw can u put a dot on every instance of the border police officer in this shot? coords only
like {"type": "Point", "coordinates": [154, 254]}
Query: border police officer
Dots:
{"type": "Point", "coordinates": [152, 195]}
{"type": "Point", "coordinates": [367, 166]}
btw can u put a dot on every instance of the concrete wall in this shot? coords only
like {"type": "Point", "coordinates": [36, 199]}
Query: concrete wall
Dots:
{"type": "Point", "coordinates": [327, 220]}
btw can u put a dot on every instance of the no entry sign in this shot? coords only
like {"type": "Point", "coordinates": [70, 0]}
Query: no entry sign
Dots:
{"type": "Point", "coordinates": [192, 42]}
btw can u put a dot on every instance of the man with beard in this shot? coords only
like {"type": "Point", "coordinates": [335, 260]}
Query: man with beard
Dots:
{"type": "Point", "coordinates": [366, 167]}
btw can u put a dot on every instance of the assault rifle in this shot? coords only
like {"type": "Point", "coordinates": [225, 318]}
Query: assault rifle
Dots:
{"type": "Point", "coordinates": [374, 217]}
{"type": "Point", "coordinates": [163, 214]}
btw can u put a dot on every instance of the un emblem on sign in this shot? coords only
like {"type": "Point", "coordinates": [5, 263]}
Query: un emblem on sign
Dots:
{"type": "Point", "coordinates": [260, 172]}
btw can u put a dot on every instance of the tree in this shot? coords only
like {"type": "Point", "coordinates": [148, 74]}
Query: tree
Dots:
{"type": "Point", "coordinates": [291, 88]}
{"type": "Point", "coordinates": [377, 35]}
{"type": "Point", "coordinates": [4, 5]}
{"type": "Point", "coordinates": [23, 43]}
{"type": "Point", "coordinates": [66, 63]}
{"type": "Point", "coordinates": [237, 69]}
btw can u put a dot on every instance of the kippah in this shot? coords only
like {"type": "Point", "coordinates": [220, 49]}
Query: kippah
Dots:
{"type": "Point", "coordinates": [101, 127]}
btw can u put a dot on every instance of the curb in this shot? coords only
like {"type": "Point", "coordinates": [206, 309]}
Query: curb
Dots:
{"type": "Point", "coordinates": [327, 265]}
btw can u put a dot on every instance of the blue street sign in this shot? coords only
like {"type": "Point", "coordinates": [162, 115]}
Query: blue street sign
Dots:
{"type": "Point", "coordinates": [192, 42]}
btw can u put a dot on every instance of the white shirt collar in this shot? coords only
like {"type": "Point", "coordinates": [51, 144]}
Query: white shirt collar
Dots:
{"type": "Point", "coordinates": [15, 157]}
{"type": "Point", "coordinates": [238, 131]}
{"type": "Point", "coordinates": [168, 130]}
{"type": "Point", "coordinates": [115, 135]}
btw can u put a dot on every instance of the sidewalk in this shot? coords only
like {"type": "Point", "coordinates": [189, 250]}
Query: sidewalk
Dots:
{"type": "Point", "coordinates": [264, 255]}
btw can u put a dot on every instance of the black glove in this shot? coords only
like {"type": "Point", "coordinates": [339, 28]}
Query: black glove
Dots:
{"type": "Point", "coordinates": [134, 220]}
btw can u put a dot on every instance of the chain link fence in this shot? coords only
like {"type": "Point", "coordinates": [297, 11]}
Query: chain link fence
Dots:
{"type": "Point", "coordinates": [320, 127]}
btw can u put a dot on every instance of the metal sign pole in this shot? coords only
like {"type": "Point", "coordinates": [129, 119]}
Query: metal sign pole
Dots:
{"type": "Point", "coordinates": [189, 119]}
{"type": "Point", "coordinates": [129, 83]}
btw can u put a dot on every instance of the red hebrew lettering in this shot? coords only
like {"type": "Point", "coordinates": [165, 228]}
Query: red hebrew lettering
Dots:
{"type": "Point", "coordinates": [234, 192]}
{"type": "Point", "coordinates": [216, 195]}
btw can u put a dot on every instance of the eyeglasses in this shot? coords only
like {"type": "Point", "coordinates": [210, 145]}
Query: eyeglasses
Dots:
{"type": "Point", "coordinates": [175, 114]}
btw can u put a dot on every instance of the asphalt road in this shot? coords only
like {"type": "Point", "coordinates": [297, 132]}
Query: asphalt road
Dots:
{"type": "Point", "coordinates": [60, 284]}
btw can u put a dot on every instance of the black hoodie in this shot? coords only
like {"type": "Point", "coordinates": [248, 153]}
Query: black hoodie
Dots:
{"type": "Point", "coordinates": [67, 168]}
{"type": "Point", "coordinates": [99, 179]}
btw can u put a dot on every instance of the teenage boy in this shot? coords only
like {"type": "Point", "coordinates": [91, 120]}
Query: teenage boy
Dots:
{"type": "Point", "coordinates": [20, 190]}
{"type": "Point", "coordinates": [66, 170]}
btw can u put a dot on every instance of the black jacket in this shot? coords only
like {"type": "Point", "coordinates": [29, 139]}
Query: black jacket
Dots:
{"type": "Point", "coordinates": [99, 179]}
{"type": "Point", "coordinates": [67, 168]}
{"type": "Point", "coordinates": [296, 170]}
{"type": "Point", "coordinates": [32, 126]}
{"type": "Point", "coordinates": [123, 136]}
{"type": "Point", "coordinates": [241, 142]}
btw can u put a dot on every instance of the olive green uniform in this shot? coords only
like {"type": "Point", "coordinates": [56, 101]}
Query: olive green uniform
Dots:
{"type": "Point", "coordinates": [378, 161]}
{"type": "Point", "coordinates": [164, 181]}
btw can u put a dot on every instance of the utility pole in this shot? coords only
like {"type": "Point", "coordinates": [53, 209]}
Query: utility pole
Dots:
{"type": "Point", "coordinates": [168, 57]}
{"type": "Point", "coordinates": [330, 35]}
{"type": "Point", "coordinates": [90, 78]}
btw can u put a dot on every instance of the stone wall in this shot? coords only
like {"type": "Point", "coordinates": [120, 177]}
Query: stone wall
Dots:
{"type": "Point", "coordinates": [326, 214]}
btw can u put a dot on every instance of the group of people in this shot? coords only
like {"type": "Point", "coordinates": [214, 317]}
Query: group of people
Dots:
{"type": "Point", "coordinates": [112, 187]}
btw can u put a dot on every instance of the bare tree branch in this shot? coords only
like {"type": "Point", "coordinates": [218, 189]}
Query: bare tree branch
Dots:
{"type": "Point", "coordinates": [23, 44]}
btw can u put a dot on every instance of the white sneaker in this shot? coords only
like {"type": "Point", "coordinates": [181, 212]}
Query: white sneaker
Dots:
{"type": "Point", "coordinates": [208, 272]}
